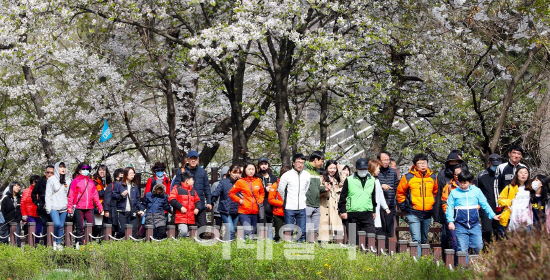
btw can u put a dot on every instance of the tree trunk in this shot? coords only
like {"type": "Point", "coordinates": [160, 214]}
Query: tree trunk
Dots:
{"type": "Point", "coordinates": [509, 97]}
{"type": "Point", "coordinates": [323, 124]}
{"type": "Point", "coordinates": [544, 141]}
{"type": "Point", "coordinates": [38, 102]}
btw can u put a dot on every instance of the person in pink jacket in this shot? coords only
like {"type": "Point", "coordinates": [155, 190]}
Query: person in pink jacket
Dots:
{"type": "Point", "coordinates": [82, 197]}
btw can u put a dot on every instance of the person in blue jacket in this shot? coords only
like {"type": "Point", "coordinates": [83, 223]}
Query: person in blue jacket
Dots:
{"type": "Point", "coordinates": [229, 210]}
{"type": "Point", "coordinates": [463, 214]}
{"type": "Point", "coordinates": [156, 202]}
{"type": "Point", "coordinates": [201, 186]}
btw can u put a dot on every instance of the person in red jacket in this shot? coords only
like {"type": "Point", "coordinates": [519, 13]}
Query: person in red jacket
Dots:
{"type": "Point", "coordinates": [185, 201]}
{"type": "Point", "coordinates": [277, 202]}
{"type": "Point", "coordinates": [28, 208]}
{"type": "Point", "coordinates": [252, 191]}
{"type": "Point", "coordinates": [159, 177]}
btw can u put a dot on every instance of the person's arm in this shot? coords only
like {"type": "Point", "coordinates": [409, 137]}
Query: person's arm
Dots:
{"type": "Point", "coordinates": [233, 192]}
{"type": "Point", "coordinates": [435, 188]}
{"type": "Point", "coordinates": [342, 208]}
{"type": "Point", "coordinates": [402, 188]}
{"type": "Point", "coordinates": [148, 186]}
{"type": "Point", "coordinates": [380, 196]}
{"type": "Point", "coordinates": [49, 196]}
{"type": "Point", "coordinates": [272, 197]}
{"type": "Point", "coordinates": [72, 195]}
{"type": "Point", "coordinates": [485, 204]}
{"type": "Point", "coordinates": [207, 189]}
{"type": "Point", "coordinates": [95, 197]}
{"type": "Point", "coordinates": [450, 208]}
{"type": "Point", "coordinates": [173, 199]}
{"type": "Point", "coordinates": [261, 193]}
{"type": "Point", "coordinates": [395, 179]}
{"type": "Point", "coordinates": [281, 188]}
{"type": "Point", "coordinates": [23, 206]}
{"type": "Point", "coordinates": [166, 204]}
{"type": "Point", "coordinates": [117, 193]}
{"type": "Point", "coordinates": [503, 197]}
{"type": "Point", "coordinates": [34, 195]}
{"type": "Point", "coordinates": [445, 197]}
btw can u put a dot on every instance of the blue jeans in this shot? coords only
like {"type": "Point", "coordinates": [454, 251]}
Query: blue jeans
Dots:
{"type": "Point", "coordinates": [419, 230]}
{"type": "Point", "coordinates": [469, 238]}
{"type": "Point", "coordinates": [231, 220]}
{"type": "Point", "coordinates": [249, 221]}
{"type": "Point", "coordinates": [297, 217]}
{"type": "Point", "coordinates": [58, 220]}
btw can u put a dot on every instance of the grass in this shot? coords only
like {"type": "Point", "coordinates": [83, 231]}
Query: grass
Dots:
{"type": "Point", "coordinates": [185, 259]}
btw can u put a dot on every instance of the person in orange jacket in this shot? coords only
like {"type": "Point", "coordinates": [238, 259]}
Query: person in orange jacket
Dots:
{"type": "Point", "coordinates": [277, 202]}
{"type": "Point", "coordinates": [252, 191]}
{"type": "Point", "coordinates": [416, 196]}
{"type": "Point", "coordinates": [185, 201]}
{"type": "Point", "coordinates": [28, 209]}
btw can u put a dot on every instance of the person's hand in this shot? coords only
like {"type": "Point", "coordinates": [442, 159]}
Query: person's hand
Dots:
{"type": "Point", "coordinates": [102, 213]}
{"type": "Point", "coordinates": [124, 193]}
{"type": "Point", "coordinates": [70, 214]}
{"type": "Point", "coordinates": [106, 213]}
{"type": "Point", "coordinates": [344, 216]}
{"type": "Point", "coordinates": [388, 211]}
{"type": "Point", "coordinates": [374, 215]}
{"type": "Point", "coordinates": [209, 207]}
{"type": "Point", "coordinates": [386, 187]}
{"type": "Point", "coordinates": [196, 212]}
{"type": "Point", "coordinates": [140, 213]}
{"type": "Point", "coordinates": [339, 167]}
{"type": "Point", "coordinates": [183, 210]}
{"type": "Point", "coordinates": [496, 217]}
{"type": "Point", "coordinates": [24, 218]}
{"type": "Point", "coordinates": [241, 201]}
{"type": "Point", "coordinates": [327, 186]}
{"type": "Point", "coordinates": [451, 226]}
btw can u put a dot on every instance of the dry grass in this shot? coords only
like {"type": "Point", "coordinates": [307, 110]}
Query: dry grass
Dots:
{"type": "Point", "coordinates": [524, 255]}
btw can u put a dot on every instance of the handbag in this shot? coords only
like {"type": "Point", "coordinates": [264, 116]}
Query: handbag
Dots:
{"type": "Point", "coordinates": [261, 210]}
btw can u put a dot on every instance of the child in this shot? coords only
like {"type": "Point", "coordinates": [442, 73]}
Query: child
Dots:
{"type": "Point", "coordinates": [462, 208]}
{"type": "Point", "coordinates": [184, 200]}
{"type": "Point", "coordinates": [156, 202]}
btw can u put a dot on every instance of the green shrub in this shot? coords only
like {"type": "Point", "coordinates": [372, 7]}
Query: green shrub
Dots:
{"type": "Point", "coordinates": [185, 259]}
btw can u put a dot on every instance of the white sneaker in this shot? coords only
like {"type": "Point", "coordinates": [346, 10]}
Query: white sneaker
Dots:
{"type": "Point", "coordinates": [59, 247]}
{"type": "Point", "coordinates": [55, 246]}
{"type": "Point", "coordinates": [77, 246]}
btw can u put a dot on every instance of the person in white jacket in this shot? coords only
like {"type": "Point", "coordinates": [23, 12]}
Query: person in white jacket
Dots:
{"type": "Point", "coordinates": [293, 187]}
{"type": "Point", "coordinates": [374, 169]}
{"type": "Point", "coordinates": [57, 189]}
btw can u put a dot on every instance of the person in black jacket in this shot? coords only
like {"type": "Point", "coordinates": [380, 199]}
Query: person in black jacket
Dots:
{"type": "Point", "coordinates": [128, 202]}
{"type": "Point", "coordinates": [486, 182]}
{"type": "Point", "coordinates": [229, 210]}
{"type": "Point", "coordinates": [389, 181]}
{"type": "Point", "coordinates": [11, 210]}
{"type": "Point", "coordinates": [201, 186]}
{"type": "Point", "coordinates": [268, 179]}
{"type": "Point", "coordinates": [109, 204]}
{"type": "Point", "coordinates": [38, 196]}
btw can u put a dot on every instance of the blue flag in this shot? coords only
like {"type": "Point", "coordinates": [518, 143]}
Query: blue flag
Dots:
{"type": "Point", "coordinates": [106, 134]}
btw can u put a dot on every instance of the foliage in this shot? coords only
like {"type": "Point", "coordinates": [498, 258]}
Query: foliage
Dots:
{"type": "Point", "coordinates": [185, 259]}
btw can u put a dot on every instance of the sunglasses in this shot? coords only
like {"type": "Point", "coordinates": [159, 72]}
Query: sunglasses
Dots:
{"type": "Point", "coordinates": [159, 170]}
{"type": "Point", "coordinates": [86, 167]}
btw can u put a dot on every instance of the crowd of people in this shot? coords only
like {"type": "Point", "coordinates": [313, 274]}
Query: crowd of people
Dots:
{"type": "Point", "coordinates": [311, 194]}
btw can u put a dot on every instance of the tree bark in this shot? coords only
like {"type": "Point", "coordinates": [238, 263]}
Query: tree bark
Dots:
{"type": "Point", "coordinates": [38, 102]}
{"type": "Point", "coordinates": [544, 141]}
{"type": "Point", "coordinates": [509, 97]}
{"type": "Point", "coordinates": [323, 116]}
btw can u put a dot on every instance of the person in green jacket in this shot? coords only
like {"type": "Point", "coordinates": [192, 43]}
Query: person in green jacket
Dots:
{"type": "Point", "coordinates": [313, 212]}
{"type": "Point", "coordinates": [357, 203]}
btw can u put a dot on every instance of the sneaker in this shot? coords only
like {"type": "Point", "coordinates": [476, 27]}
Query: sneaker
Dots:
{"type": "Point", "coordinates": [55, 246]}
{"type": "Point", "coordinates": [59, 247]}
{"type": "Point", "coordinates": [77, 246]}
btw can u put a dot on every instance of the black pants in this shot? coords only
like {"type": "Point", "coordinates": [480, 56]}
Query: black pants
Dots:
{"type": "Point", "coordinates": [278, 223]}
{"type": "Point", "coordinates": [159, 232]}
{"type": "Point", "coordinates": [45, 217]}
{"type": "Point", "coordinates": [218, 221]}
{"type": "Point", "coordinates": [388, 223]}
{"type": "Point", "coordinates": [126, 218]}
{"type": "Point", "coordinates": [363, 222]}
{"type": "Point", "coordinates": [488, 228]}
